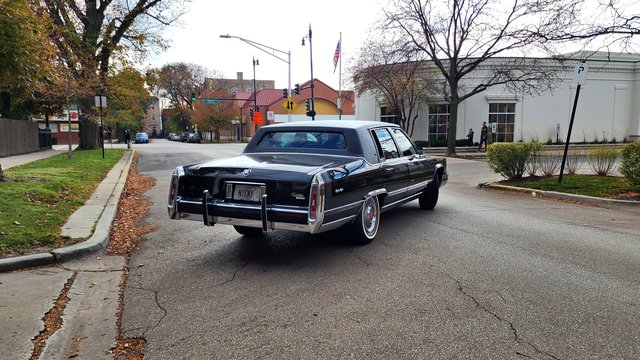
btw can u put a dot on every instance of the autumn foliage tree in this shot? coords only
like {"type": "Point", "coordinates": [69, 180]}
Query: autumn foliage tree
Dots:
{"type": "Point", "coordinates": [128, 98]}
{"type": "Point", "coordinates": [28, 57]}
{"type": "Point", "coordinates": [212, 118]}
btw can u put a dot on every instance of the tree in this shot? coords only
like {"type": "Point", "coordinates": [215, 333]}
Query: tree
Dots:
{"type": "Point", "coordinates": [91, 35]}
{"type": "Point", "coordinates": [395, 75]}
{"type": "Point", "coordinates": [215, 117]}
{"type": "Point", "coordinates": [128, 98]}
{"type": "Point", "coordinates": [28, 56]}
{"type": "Point", "coordinates": [179, 81]}
{"type": "Point", "coordinates": [464, 36]}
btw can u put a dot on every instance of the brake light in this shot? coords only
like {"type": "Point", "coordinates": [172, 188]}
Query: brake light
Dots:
{"type": "Point", "coordinates": [173, 192]}
{"type": "Point", "coordinates": [313, 202]}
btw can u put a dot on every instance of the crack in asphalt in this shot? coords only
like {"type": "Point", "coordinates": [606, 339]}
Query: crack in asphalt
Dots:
{"type": "Point", "coordinates": [511, 326]}
{"type": "Point", "coordinates": [155, 295]}
{"type": "Point", "coordinates": [363, 260]}
{"type": "Point", "coordinates": [233, 276]}
{"type": "Point", "coordinates": [542, 352]}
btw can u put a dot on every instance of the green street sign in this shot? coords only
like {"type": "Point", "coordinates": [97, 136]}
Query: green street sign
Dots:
{"type": "Point", "coordinates": [210, 101]}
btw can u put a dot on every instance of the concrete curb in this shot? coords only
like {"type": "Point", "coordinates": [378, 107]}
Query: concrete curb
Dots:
{"type": "Point", "coordinates": [563, 196]}
{"type": "Point", "coordinates": [94, 244]}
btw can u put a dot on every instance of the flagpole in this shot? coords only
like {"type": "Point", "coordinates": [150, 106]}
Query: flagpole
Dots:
{"type": "Point", "coordinates": [340, 80]}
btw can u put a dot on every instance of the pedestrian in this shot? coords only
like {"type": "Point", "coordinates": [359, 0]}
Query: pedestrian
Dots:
{"type": "Point", "coordinates": [484, 132]}
{"type": "Point", "coordinates": [470, 138]}
{"type": "Point", "coordinates": [127, 138]}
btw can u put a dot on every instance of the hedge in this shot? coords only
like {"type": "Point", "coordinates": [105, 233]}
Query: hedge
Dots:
{"type": "Point", "coordinates": [510, 159]}
{"type": "Point", "coordinates": [630, 163]}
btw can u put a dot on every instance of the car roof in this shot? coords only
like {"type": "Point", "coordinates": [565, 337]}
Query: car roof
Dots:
{"type": "Point", "coordinates": [348, 124]}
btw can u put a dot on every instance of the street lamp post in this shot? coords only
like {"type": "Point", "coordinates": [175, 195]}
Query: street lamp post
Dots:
{"type": "Point", "coordinates": [263, 47]}
{"type": "Point", "coordinates": [312, 111]}
{"type": "Point", "coordinates": [255, 93]}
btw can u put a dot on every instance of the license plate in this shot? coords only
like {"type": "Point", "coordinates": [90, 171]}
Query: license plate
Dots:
{"type": "Point", "coordinates": [247, 193]}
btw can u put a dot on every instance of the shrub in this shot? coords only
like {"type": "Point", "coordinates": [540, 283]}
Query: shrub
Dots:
{"type": "Point", "coordinates": [549, 163]}
{"type": "Point", "coordinates": [573, 162]}
{"type": "Point", "coordinates": [602, 160]}
{"type": "Point", "coordinates": [630, 163]}
{"type": "Point", "coordinates": [533, 165]}
{"type": "Point", "coordinates": [510, 159]}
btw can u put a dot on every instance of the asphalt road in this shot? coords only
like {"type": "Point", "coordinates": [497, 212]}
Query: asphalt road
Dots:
{"type": "Point", "coordinates": [484, 275]}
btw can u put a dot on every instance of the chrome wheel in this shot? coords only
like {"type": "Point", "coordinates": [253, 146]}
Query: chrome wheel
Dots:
{"type": "Point", "coordinates": [370, 217]}
{"type": "Point", "coordinates": [366, 225]}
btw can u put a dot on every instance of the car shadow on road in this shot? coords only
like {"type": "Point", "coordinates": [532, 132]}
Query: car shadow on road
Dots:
{"type": "Point", "coordinates": [293, 250]}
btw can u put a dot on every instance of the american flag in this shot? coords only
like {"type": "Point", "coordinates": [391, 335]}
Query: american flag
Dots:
{"type": "Point", "coordinates": [336, 57]}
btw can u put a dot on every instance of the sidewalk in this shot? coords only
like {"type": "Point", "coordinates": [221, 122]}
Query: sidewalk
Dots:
{"type": "Point", "coordinates": [89, 284]}
{"type": "Point", "coordinates": [100, 210]}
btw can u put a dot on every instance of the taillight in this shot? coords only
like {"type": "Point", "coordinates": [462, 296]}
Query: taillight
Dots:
{"type": "Point", "coordinates": [173, 192]}
{"type": "Point", "coordinates": [313, 202]}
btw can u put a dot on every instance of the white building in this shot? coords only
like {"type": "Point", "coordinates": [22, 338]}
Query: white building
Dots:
{"type": "Point", "coordinates": [608, 107]}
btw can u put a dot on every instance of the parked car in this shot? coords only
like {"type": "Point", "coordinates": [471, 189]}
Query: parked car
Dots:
{"type": "Point", "coordinates": [142, 138]}
{"type": "Point", "coordinates": [175, 137]}
{"type": "Point", "coordinates": [184, 136]}
{"type": "Point", "coordinates": [310, 177]}
{"type": "Point", "coordinates": [193, 138]}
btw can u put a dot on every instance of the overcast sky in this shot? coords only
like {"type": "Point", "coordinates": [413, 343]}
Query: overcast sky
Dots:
{"type": "Point", "coordinates": [276, 23]}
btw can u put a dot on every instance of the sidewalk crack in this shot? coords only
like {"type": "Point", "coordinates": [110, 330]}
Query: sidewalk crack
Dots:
{"type": "Point", "coordinates": [53, 318]}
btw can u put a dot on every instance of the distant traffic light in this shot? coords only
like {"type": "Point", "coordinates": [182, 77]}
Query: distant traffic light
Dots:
{"type": "Point", "coordinates": [308, 104]}
{"type": "Point", "coordinates": [193, 96]}
{"type": "Point", "coordinates": [297, 89]}
{"type": "Point", "coordinates": [285, 93]}
{"type": "Point", "coordinates": [251, 113]}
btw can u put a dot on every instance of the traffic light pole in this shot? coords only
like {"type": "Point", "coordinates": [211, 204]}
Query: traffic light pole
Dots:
{"type": "Point", "coordinates": [312, 112]}
{"type": "Point", "coordinates": [262, 47]}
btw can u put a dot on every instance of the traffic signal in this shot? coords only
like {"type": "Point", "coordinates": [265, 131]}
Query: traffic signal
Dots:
{"type": "Point", "coordinates": [308, 104]}
{"type": "Point", "coordinates": [193, 96]}
{"type": "Point", "coordinates": [297, 89]}
{"type": "Point", "coordinates": [251, 113]}
{"type": "Point", "coordinates": [285, 93]}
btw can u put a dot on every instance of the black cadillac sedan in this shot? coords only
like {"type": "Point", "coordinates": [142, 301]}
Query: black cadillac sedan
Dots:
{"type": "Point", "coordinates": [310, 176]}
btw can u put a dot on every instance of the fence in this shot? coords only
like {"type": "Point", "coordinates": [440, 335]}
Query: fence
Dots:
{"type": "Point", "coordinates": [18, 137]}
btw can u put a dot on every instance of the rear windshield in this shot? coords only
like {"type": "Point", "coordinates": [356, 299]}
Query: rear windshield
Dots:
{"type": "Point", "coordinates": [303, 139]}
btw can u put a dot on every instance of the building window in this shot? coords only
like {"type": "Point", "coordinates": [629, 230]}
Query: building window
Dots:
{"type": "Point", "coordinates": [438, 121]}
{"type": "Point", "coordinates": [503, 114]}
{"type": "Point", "coordinates": [387, 115]}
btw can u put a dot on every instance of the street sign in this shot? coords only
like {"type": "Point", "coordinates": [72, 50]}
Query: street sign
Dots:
{"type": "Point", "coordinates": [580, 73]}
{"type": "Point", "coordinates": [101, 101]}
{"type": "Point", "coordinates": [289, 105]}
{"type": "Point", "coordinates": [210, 101]}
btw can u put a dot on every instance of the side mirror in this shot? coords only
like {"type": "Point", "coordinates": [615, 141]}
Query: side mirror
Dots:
{"type": "Point", "coordinates": [420, 151]}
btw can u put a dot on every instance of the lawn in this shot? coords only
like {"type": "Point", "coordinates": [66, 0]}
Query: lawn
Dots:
{"type": "Point", "coordinates": [42, 195]}
{"type": "Point", "coordinates": [589, 185]}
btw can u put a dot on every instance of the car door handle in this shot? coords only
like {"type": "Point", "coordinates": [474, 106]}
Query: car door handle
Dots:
{"type": "Point", "coordinates": [388, 172]}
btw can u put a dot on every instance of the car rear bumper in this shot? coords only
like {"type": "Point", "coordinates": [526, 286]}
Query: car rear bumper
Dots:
{"type": "Point", "coordinates": [267, 217]}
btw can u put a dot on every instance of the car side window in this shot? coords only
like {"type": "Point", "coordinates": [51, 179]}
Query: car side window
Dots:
{"type": "Point", "coordinates": [405, 144]}
{"type": "Point", "coordinates": [385, 144]}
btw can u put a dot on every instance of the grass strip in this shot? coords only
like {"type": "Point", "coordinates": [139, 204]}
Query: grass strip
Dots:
{"type": "Point", "coordinates": [588, 185]}
{"type": "Point", "coordinates": [42, 195]}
